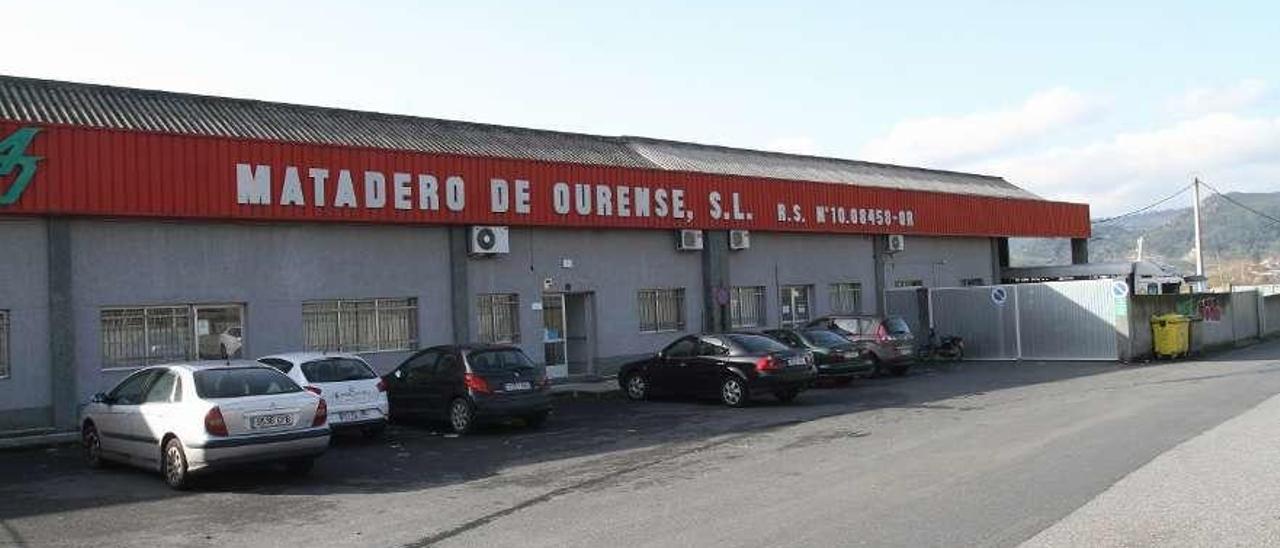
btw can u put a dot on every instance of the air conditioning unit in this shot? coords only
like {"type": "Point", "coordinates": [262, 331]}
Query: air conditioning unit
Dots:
{"type": "Point", "coordinates": [739, 239]}
{"type": "Point", "coordinates": [489, 240]}
{"type": "Point", "coordinates": [690, 240]}
{"type": "Point", "coordinates": [896, 243]}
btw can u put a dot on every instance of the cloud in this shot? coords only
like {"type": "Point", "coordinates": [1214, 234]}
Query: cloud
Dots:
{"type": "Point", "coordinates": [1131, 169]}
{"type": "Point", "coordinates": [947, 139]}
{"type": "Point", "coordinates": [1204, 100]}
{"type": "Point", "coordinates": [794, 145]}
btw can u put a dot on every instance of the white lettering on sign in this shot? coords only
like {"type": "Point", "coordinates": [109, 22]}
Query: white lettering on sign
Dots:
{"type": "Point", "coordinates": [291, 192]}
{"type": "Point", "coordinates": [253, 184]}
{"type": "Point", "coordinates": [499, 196]}
{"type": "Point", "coordinates": [523, 197]}
{"type": "Point", "coordinates": [318, 177]}
{"type": "Point", "coordinates": [400, 183]}
{"type": "Point", "coordinates": [428, 193]}
{"type": "Point", "coordinates": [375, 190]}
{"type": "Point", "coordinates": [455, 193]}
{"type": "Point", "coordinates": [841, 215]}
{"type": "Point", "coordinates": [346, 194]}
{"type": "Point", "coordinates": [560, 198]}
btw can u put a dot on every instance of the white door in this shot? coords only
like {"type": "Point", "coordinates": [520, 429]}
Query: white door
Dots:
{"type": "Point", "coordinates": [555, 347]}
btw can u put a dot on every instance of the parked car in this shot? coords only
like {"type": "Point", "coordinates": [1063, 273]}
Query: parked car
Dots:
{"type": "Point", "coordinates": [888, 338]}
{"type": "Point", "coordinates": [185, 419]}
{"type": "Point", "coordinates": [356, 395]}
{"type": "Point", "coordinates": [733, 366]}
{"type": "Point", "coordinates": [837, 357]}
{"type": "Point", "coordinates": [461, 384]}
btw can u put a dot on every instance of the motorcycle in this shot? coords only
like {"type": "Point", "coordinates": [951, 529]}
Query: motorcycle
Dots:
{"type": "Point", "coordinates": [949, 347]}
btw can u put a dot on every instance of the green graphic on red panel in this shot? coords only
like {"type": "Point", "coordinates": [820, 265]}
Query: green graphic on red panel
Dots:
{"type": "Point", "coordinates": [13, 155]}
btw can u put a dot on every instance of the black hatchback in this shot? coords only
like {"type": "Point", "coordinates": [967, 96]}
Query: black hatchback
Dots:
{"type": "Point", "coordinates": [460, 384]}
{"type": "Point", "coordinates": [732, 366]}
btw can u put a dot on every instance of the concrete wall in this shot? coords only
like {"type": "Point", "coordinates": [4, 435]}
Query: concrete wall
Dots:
{"type": "Point", "coordinates": [1236, 321]}
{"type": "Point", "coordinates": [942, 262]}
{"type": "Point", "coordinates": [271, 268]}
{"type": "Point", "coordinates": [25, 397]}
{"type": "Point", "coordinates": [1271, 315]}
{"type": "Point", "coordinates": [777, 259]}
{"type": "Point", "coordinates": [611, 264]}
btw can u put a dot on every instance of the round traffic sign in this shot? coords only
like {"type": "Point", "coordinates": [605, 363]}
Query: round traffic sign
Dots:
{"type": "Point", "coordinates": [999, 295]}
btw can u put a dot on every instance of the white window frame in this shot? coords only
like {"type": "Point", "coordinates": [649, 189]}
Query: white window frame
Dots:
{"type": "Point", "coordinates": [328, 324]}
{"type": "Point", "coordinates": [6, 366]}
{"type": "Point", "coordinates": [494, 309]}
{"type": "Point", "coordinates": [846, 298]}
{"type": "Point", "coordinates": [785, 300]}
{"type": "Point", "coordinates": [661, 310]}
{"type": "Point", "coordinates": [745, 299]}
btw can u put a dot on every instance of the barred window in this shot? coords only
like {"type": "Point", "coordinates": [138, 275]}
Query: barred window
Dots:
{"type": "Point", "coordinates": [746, 306]}
{"type": "Point", "coordinates": [140, 336]}
{"type": "Point", "coordinates": [846, 298]}
{"type": "Point", "coordinates": [971, 282]}
{"type": "Point", "coordinates": [4, 344]}
{"type": "Point", "coordinates": [360, 325]}
{"type": "Point", "coordinates": [909, 283]}
{"type": "Point", "coordinates": [661, 310]}
{"type": "Point", "coordinates": [499, 318]}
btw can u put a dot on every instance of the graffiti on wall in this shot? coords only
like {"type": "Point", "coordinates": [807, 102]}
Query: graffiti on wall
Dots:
{"type": "Point", "coordinates": [1205, 307]}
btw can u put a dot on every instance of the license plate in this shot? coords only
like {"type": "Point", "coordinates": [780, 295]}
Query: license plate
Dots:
{"type": "Point", "coordinates": [796, 361]}
{"type": "Point", "coordinates": [514, 386]}
{"type": "Point", "coordinates": [271, 421]}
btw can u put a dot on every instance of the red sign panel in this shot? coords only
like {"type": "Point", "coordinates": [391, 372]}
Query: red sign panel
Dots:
{"type": "Point", "coordinates": [86, 171]}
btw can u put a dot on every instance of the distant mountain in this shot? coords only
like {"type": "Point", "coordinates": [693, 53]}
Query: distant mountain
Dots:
{"type": "Point", "coordinates": [1234, 239]}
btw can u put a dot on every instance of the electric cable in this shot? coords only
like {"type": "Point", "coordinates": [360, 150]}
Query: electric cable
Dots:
{"type": "Point", "coordinates": [1143, 209]}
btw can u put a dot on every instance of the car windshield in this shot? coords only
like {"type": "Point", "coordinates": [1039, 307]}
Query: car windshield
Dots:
{"type": "Point", "coordinates": [897, 326]}
{"type": "Point", "coordinates": [493, 361]}
{"type": "Point", "coordinates": [337, 370]}
{"type": "Point", "coordinates": [239, 382]}
{"type": "Point", "coordinates": [756, 344]}
{"type": "Point", "coordinates": [825, 338]}
{"type": "Point", "coordinates": [852, 325]}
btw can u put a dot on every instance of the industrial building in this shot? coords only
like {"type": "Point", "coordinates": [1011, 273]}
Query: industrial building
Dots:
{"type": "Point", "coordinates": [138, 227]}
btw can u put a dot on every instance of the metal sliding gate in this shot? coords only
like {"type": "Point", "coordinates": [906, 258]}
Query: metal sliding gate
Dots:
{"type": "Point", "coordinates": [1044, 321]}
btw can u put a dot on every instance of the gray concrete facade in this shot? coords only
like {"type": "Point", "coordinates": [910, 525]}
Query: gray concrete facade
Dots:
{"type": "Point", "coordinates": [775, 260]}
{"type": "Point", "coordinates": [26, 395]}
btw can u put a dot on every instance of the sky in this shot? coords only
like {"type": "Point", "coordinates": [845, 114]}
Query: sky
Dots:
{"type": "Point", "coordinates": [1115, 104]}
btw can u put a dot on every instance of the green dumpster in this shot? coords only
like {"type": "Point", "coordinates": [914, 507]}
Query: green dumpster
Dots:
{"type": "Point", "coordinates": [1170, 335]}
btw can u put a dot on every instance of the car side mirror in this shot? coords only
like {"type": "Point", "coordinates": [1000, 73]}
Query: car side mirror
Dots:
{"type": "Point", "coordinates": [100, 398]}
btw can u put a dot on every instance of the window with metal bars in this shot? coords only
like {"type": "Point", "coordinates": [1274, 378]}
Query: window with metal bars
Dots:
{"type": "Point", "coordinates": [746, 306]}
{"type": "Point", "coordinates": [499, 315]}
{"type": "Point", "coordinates": [846, 298]}
{"type": "Point", "coordinates": [360, 325]}
{"type": "Point", "coordinates": [972, 282]}
{"type": "Point", "coordinates": [4, 344]}
{"type": "Point", "coordinates": [795, 304]}
{"type": "Point", "coordinates": [661, 310]}
{"type": "Point", "coordinates": [140, 336]}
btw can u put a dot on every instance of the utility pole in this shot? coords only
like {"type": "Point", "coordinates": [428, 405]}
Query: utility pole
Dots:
{"type": "Point", "coordinates": [1195, 209]}
{"type": "Point", "coordinates": [1139, 249]}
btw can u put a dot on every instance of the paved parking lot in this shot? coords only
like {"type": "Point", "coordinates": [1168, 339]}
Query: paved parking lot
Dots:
{"type": "Point", "coordinates": [961, 454]}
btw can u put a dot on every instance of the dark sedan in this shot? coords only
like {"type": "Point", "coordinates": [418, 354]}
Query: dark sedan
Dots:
{"type": "Point", "coordinates": [837, 358]}
{"type": "Point", "coordinates": [733, 366]}
{"type": "Point", "coordinates": [461, 384]}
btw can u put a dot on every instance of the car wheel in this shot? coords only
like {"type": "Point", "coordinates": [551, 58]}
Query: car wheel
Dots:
{"type": "Point", "coordinates": [898, 370]}
{"type": "Point", "coordinates": [733, 392]}
{"type": "Point", "coordinates": [536, 420]}
{"type": "Point", "coordinates": [174, 465]}
{"type": "Point", "coordinates": [300, 467]}
{"type": "Point", "coordinates": [877, 368]}
{"type": "Point", "coordinates": [787, 396]}
{"type": "Point", "coordinates": [92, 443]}
{"type": "Point", "coordinates": [461, 415]}
{"type": "Point", "coordinates": [637, 387]}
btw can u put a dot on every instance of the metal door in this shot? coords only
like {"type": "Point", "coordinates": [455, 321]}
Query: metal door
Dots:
{"type": "Point", "coordinates": [1071, 320]}
{"type": "Point", "coordinates": [555, 343]}
{"type": "Point", "coordinates": [985, 317]}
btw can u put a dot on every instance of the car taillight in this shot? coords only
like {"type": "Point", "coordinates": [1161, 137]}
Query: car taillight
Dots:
{"type": "Point", "coordinates": [476, 384]}
{"type": "Point", "coordinates": [322, 414]}
{"type": "Point", "coordinates": [382, 385]}
{"type": "Point", "coordinates": [214, 423]}
{"type": "Point", "coordinates": [767, 363]}
{"type": "Point", "coordinates": [882, 334]}
{"type": "Point", "coordinates": [313, 389]}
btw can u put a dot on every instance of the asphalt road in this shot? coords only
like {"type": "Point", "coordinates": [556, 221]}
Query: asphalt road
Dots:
{"type": "Point", "coordinates": [955, 455]}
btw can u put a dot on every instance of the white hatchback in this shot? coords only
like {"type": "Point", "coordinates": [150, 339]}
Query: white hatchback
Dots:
{"type": "Point", "coordinates": [181, 419]}
{"type": "Point", "coordinates": [356, 395]}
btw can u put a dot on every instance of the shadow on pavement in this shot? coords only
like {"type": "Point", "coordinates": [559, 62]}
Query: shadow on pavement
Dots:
{"type": "Point", "coordinates": [416, 457]}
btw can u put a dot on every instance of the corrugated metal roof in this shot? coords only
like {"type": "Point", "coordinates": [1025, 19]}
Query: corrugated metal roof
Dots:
{"type": "Point", "coordinates": [46, 101]}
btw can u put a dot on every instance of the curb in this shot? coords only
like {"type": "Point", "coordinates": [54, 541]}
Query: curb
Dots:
{"type": "Point", "coordinates": [39, 440]}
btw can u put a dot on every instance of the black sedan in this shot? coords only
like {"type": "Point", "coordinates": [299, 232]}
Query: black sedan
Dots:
{"type": "Point", "coordinates": [837, 358]}
{"type": "Point", "coordinates": [460, 384]}
{"type": "Point", "coordinates": [733, 366]}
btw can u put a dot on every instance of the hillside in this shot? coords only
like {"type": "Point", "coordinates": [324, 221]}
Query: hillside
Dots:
{"type": "Point", "coordinates": [1235, 240]}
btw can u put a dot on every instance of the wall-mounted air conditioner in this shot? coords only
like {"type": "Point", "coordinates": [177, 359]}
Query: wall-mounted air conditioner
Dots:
{"type": "Point", "coordinates": [489, 240]}
{"type": "Point", "coordinates": [739, 239]}
{"type": "Point", "coordinates": [690, 240]}
{"type": "Point", "coordinates": [896, 243]}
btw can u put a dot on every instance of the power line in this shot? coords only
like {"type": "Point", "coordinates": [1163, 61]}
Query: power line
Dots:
{"type": "Point", "coordinates": [1141, 210]}
{"type": "Point", "coordinates": [1240, 205]}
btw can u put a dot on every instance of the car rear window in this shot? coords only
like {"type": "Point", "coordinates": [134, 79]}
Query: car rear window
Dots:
{"type": "Point", "coordinates": [897, 326]}
{"type": "Point", "coordinates": [855, 325]}
{"type": "Point", "coordinates": [238, 382]}
{"type": "Point", "coordinates": [756, 344]}
{"type": "Point", "coordinates": [493, 361]}
{"type": "Point", "coordinates": [337, 370]}
{"type": "Point", "coordinates": [825, 338]}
